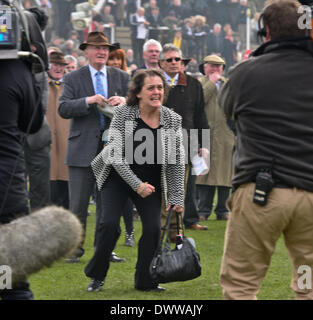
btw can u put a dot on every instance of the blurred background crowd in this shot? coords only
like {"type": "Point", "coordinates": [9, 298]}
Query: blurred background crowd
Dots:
{"type": "Point", "coordinates": [198, 27]}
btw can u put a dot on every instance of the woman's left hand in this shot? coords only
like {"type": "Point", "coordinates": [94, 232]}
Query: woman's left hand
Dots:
{"type": "Point", "coordinates": [175, 208]}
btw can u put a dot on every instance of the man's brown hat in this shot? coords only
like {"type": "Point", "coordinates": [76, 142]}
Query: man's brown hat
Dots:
{"type": "Point", "coordinates": [96, 38]}
{"type": "Point", "coordinates": [57, 58]}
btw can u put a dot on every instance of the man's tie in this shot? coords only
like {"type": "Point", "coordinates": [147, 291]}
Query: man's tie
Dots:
{"type": "Point", "coordinates": [100, 90]}
{"type": "Point", "coordinates": [172, 82]}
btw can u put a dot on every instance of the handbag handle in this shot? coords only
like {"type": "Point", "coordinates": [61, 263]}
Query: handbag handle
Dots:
{"type": "Point", "coordinates": [165, 230]}
{"type": "Point", "coordinates": [179, 221]}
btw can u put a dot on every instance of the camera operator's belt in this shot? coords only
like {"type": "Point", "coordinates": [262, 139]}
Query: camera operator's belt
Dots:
{"type": "Point", "coordinates": [282, 186]}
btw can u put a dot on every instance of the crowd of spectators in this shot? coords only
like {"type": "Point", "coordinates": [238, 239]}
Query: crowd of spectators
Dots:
{"type": "Point", "coordinates": [197, 27]}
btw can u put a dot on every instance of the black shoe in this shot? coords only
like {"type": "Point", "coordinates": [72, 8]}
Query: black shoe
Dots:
{"type": "Point", "coordinates": [129, 240]}
{"type": "Point", "coordinates": [154, 289]}
{"type": "Point", "coordinates": [72, 260]}
{"type": "Point", "coordinates": [223, 216]}
{"type": "Point", "coordinates": [115, 258]}
{"type": "Point", "coordinates": [76, 257]}
{"type": "Point", "coordinates": [95, 285]}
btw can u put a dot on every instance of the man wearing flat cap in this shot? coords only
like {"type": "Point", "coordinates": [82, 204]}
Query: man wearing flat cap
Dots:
{"type": "Point", "coordinates": [221, 143]}
{"type": "Point", "coordinates": [84, 89]}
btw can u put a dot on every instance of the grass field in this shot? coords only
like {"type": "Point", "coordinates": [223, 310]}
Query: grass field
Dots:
{"type": "Point", "coordinates": [65, 281]}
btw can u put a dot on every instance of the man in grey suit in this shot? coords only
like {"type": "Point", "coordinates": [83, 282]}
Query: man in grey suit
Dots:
{"type": "Point", "coordinates": [84, 89]}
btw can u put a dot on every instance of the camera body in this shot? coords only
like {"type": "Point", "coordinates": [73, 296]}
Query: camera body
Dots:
{"type": "Point", "coordinates": [19, 32]}
{"type": "Point", "coordinates": [82, 17]}
{"type": "Point", "coordinates": [10, 32]}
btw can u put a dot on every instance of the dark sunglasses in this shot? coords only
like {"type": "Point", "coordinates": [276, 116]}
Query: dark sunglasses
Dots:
{"type": "Point", "coordinates": [171, 59]}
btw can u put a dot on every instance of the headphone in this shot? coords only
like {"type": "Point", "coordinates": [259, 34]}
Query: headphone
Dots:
{"type": "Point", "coordinates": [262, 33]}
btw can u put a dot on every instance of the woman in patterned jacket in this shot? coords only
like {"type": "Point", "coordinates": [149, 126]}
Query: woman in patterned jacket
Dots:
{"type": "Point", "coordinates": [144, 160]}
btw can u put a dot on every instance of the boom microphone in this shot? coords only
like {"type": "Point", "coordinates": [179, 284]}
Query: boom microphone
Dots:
{"type": "Point", "coordinates": [32, 242]}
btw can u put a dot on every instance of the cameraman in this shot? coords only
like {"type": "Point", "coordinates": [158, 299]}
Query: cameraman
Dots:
{"type": "Point", "coordinates": [270, 98]}
{"type": "Point", "coordinates": [18, 108]}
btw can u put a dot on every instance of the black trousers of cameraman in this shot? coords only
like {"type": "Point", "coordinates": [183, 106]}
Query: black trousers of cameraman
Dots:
{"type": "Point", "coordinates": [18, 292]}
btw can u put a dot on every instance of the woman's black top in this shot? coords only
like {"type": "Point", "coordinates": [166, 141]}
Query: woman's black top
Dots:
{"type": "Point", "coordinates": [146, 154]}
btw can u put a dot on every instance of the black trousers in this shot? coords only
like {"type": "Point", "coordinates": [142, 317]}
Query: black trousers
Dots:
{"type": "Point", "coordinates": [128, 217]}
{"type": "Point", "coordinates": [191, 213]}
{"type": "Point", "coordinates": [113, 197]}
{"type": "Point", "coordinates": [206, 197]}
{"type": "Point", "coordinates": [38, 169]}
{"type": "Point", "coordinates": [20, 291]}
{"type": "Point", "coordinates": [59, 193]}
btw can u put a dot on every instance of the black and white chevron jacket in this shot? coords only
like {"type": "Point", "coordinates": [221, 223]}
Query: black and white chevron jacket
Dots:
{"type": "Point", "coordinates": [122, 126]}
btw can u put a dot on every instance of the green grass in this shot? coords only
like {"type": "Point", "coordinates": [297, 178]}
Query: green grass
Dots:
{"type": "Point", "coordinates": [65, 281]}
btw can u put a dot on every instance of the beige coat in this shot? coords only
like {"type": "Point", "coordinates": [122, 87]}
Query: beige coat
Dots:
{"type": "Point", "coordinates": [60, 131]}
{"type": "Point", "coordinates": [222, 139]}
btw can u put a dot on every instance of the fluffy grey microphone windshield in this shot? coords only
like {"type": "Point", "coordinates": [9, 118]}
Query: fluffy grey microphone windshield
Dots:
{"type": "Point", "coordinates": [32, 242]}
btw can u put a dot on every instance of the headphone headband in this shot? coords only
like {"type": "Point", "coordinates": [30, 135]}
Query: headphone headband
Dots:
{"type": "Point", "coordinates": [262, 33]}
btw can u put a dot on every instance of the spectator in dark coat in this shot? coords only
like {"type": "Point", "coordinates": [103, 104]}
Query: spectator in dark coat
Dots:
{"type": "Point", "coordinates": [188, 38]}
{"type": "Point", "coordinates": [199, 33]}
{"type": "Point", "coordinates": [178, 8]}
{"type": "Point", "coordinates": [230, 48]}
{"type": "Point", "coordinates": [215, 43]}
{"type": "Point", "coordinates": [155, 21]}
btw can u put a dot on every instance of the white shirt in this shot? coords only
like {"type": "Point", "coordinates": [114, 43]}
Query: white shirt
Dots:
{"type": "Point", "coordinates": [104, 77]}
{"type": "Point", "coordinates": [141, 28]}
{"type": "Point", "coordinates": [168, 78]}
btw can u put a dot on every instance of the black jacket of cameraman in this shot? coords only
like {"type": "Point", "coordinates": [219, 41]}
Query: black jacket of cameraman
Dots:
{"type": "Point", "coordinates": [272, 96]}
{"type": "Point", "coordinates": [18, 98]}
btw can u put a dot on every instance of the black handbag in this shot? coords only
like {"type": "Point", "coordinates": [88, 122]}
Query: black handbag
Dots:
{"type": "Point", "coordinates": [179, 264]}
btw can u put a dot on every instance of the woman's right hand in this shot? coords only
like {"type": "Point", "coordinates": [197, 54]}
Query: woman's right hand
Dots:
{"type": "Point", "coordinates": [145, 190]}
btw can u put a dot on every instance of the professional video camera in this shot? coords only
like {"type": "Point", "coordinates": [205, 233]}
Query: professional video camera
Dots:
{"type": "Point", "coordinates": [82, 17]}
{"type": "Point", "coordinates": [20, 33]}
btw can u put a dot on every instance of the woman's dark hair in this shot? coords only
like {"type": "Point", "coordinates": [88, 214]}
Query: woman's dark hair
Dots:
{"type": "Point", "coordinates": [138, 81]}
